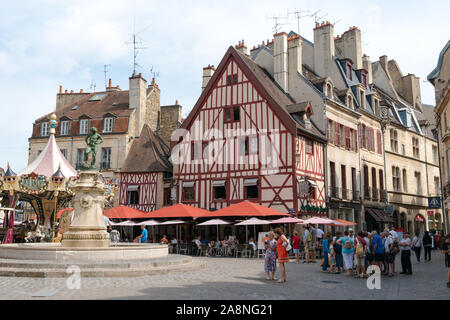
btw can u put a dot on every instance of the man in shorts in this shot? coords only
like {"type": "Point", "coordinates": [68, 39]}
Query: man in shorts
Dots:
{"type": "Point", "coordinates": [296, 245]}
{"type": "Point", "coordinates": [378, 249]}
{"type": "Point", "coordinates": [389, 257]}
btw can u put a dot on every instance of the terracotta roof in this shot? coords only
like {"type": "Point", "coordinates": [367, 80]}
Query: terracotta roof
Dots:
{"type": "Point", "coordinates": [148, 153]}
{"type": "Point", "coordinates": [179, 211]}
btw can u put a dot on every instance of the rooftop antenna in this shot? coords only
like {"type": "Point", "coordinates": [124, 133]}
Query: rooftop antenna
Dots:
{"type": "Point", "coordinates": [277, 25]}
{"type": "Point", "coordinates": [92, 86]}
{"type": "Point", "coordinates": [299, 14]}
{"type": "Point", "coordinates": [336, 22]}
{"type": "Point", "coordinates": [137, 44]}
{"type": "Point", "coordinates": [316, 18]}
{"type": "Point", "coordinates": [154, 73]}
{"type": "Point", "coordinates": [105, 70]}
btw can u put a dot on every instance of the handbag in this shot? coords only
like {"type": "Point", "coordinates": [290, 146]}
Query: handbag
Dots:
{"type": "Point", "coordinates": [287, 245]}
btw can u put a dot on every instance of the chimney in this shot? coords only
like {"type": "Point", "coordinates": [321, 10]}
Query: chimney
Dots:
{"type": "Point", "coordinates": [384, 62]}
{"type": "Point", "coordinates": [207, 74]}
{"type": "Point", "coordinates": [294, 59]}
{"type": "Point", "coordinates": [352, 46]}
{"type": "Point", "coordinates": [323, 48]}
{"type": "Point", "coordinates": [60, 89]}
{"type": "Point", "coordinates": [111, 88]}
{"type": "Point", "coordinates": [368, 66]}
{"type": "Point", "coordinates": [138, 100]}
{"type": "Point", "coordinates": [241, 47]}
{"type": "Point", "coordinates": [411, 90]}
{"type": "Point", "coordinates": [280, 59]}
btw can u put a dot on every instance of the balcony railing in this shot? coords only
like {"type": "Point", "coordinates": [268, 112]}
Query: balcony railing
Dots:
{"type": "Point", "coordinates": [367, 193]}
{"type": "Point", "coordinates": [343, 194]}
{"type": "Point", "coordinates": [375, 194]}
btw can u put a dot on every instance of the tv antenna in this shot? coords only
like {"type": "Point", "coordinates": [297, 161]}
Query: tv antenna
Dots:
{"type": "Point", "coordinates": [277, 25]}
{"type": "Point", "coordinates": [155, 74]}
{"type": "Point", "coordinates": [299, 14]}
{"type": "Point", "coordinates": [93, 85]}
{"type": "Point", "coordinates": [105, 70]}
{"type": "Point", "coordinates": [137, 44]}
{"type": "Point", "coordinates": [316, 18]}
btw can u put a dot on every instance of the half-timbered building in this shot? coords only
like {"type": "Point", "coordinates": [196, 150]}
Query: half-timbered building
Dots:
{"type": "Point", "coordinates": [247, 139]}
{"type": "Point", "coordinates": [146, 175]}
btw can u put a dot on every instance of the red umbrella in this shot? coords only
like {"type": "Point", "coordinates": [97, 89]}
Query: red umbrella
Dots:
{"type": "Point", "coordinates": [246, 209]}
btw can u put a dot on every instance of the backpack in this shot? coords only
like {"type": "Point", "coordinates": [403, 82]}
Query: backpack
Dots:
{"type": "Point", "coordinates": [337, 248]}
{"type": "Point", "coordinates": [359, 249]}
{"type": "Point", "coordinates": [395, 249]}
{"type": "Point", "coordinates": [348, 244]}
{"type": "Point", "coordinates": [309, 238]}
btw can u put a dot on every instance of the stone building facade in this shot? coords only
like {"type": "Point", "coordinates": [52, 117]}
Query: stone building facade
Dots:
{"type": "Point", "coordinates": [347, 93]}
{"type": "Point", "coordinates": [440, 78]}
{"type": "Point", "coordinates": [119, 116]}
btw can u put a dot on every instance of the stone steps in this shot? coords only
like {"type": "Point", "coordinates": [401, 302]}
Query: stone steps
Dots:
{"type": "Point", "coordinates": [101, 270]}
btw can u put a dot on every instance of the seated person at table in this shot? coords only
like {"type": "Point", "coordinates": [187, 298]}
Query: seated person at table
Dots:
{"type": "Point", "coordinates": [164, 240]}
{"type": "Point", "coordinates": [252, 245]}
{"type": "Point", "coordinates": [198, 242]}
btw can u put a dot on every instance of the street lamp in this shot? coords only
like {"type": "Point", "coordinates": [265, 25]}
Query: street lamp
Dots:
{"type": "Point", "coordinates": [384, 113]}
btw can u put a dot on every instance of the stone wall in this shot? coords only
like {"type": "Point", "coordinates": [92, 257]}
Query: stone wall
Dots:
{"type": "Point", "coordinates": [170, 116]}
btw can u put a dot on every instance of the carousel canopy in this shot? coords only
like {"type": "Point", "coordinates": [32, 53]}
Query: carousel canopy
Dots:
{"type": "Point", "coordinates": [49, 161]}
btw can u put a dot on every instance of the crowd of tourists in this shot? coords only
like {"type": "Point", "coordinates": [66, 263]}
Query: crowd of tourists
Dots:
{"type": "Point", "coordinates": [349, 252]}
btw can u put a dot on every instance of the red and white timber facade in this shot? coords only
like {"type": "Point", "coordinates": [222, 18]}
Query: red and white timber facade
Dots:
{"type": "Point", "coordinates": [239, 138]}
{"type": "Point", "coordinates": [146, 185]}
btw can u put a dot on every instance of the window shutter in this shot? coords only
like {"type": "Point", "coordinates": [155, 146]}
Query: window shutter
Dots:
{"type": "Point", "coordinates": [361, 138]}
{"type": "Point", "coordinates": [338, 136]}
{"type": "Point", "coordinates": [379, 141]}
{"type": "Point", "coordinates": [347, 138]}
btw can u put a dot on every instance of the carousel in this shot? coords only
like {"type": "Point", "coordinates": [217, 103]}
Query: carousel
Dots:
{"type": "Point", "coordinates": [45, 184]}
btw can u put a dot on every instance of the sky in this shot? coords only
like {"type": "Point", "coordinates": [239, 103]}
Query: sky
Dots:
{"type": "Point", "coordinates": [48, 43]}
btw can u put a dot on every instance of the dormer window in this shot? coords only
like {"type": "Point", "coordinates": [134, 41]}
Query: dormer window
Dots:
{"type": "Point", "coordinates": [364, 79]}
{"type": "Point", "coordinates": [65, 128]}
{"type": "Point", "coordinates": [329, 90]}
{"type": "Point", "coordinates": [362, 98]}
{"type": "Point", "coordinates": [45, 129]}
{"type": "Point", "coordinates": [348, 69]}
{"type": "Point", "coordinates": [108, 124]}
{"type": "Point", "coordinates": [349, 101]}
{"type": "Point", "coordinates": [84, 126]}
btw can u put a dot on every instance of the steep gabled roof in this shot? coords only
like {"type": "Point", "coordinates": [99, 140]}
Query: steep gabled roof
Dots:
{"type": "Point", "coordinates": [435, 73]}
{"type": "Point", "coordinates": [148, 153]}
{"type": "Point", "coordinates": [276, 97]}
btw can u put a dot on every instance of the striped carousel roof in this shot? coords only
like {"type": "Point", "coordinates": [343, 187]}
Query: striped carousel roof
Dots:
{"type": "Point", "coordinates": [49, 161]}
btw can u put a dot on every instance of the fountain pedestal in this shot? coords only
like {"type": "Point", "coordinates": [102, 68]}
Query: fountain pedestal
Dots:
{"type": "Point", "coordinates": [87, 228]}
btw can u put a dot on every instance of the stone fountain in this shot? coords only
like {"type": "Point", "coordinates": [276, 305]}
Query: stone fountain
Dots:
{"type": "Point", "coordinates": [86, 244]}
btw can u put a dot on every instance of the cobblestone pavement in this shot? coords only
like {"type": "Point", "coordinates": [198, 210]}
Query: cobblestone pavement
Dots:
{"type": "Point", "coordinates": [242, 278]}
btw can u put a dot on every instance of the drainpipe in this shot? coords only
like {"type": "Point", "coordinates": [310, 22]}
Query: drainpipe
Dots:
{"type": "Point", "coordinates": [444, 213]}
{"type": "Point", "coordinates": [325, 151]}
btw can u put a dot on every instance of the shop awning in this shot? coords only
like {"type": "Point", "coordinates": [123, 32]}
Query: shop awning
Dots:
{"type": "Point", "coordinates": [379, 215]}
{"type": "Point", "coordinates": [246, 209]}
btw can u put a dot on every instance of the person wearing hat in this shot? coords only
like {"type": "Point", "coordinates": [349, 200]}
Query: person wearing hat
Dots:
{"type": "Point", "coordinates": [405, 249]}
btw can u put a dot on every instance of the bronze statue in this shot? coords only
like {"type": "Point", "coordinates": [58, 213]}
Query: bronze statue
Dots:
{"type": "Point", "coordinates": [93, 139]}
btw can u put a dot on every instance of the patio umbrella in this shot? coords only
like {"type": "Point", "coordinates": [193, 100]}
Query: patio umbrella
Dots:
{"type": "Point", "coordinates": [317, 220]}
{"type": "Point", "coordinates": [176, 222]}
{"type": "Point", "coordinates": [345, 222]}
{"type": "Point", "coordinates": [254, 222]}
{"type": "Point", "coordinates": [127, 223]}
{"type": "Point", "coordinates": [287, 220]}
{"type": "Point", "coordinates": [213, 222]}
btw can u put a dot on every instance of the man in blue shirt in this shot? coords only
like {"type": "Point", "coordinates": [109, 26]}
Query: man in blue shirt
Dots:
{"type": "Point", "coordinates": [378, 249]}
{"type": "Point", "coordinates": [144, 234]}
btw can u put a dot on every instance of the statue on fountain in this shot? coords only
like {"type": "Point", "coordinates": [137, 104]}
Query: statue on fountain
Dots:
{"type": "Point", "coordinates": [93, 139]}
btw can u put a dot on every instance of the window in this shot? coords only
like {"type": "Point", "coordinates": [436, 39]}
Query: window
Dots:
{"type": "Point", "coordinates": [65, 128]}
{"type": "Point", "coordinates": [64, 153]}
{"type": "Point", "coordinates": [233, 79]}
{"type": "Point", "coordinates": [236, 113]}
{"type": "Point", "coordinates": [364, 137]}
{"type": "Point", "coordinates": [219, 189]}
{"type": "Point", "coordinates": [330, 131]}
{"type": "Point", "coordinates": [396, 178]}
{"type": "Point", "coordinates": [80, 157]}
{"type": "Point", "coordinates": [435, 155]}
{"type": "Point", "coordinates": [342, 135]}
{"type": "Point", "coordinates": [232, 114]}
{"type": "Point", "coordinates": [251, 190]}
{"type": "Point", "coordinates": [108, 125]}
{"type": "Point", "coordinates": [44, 129]}
{"type": "Point", "coordinates": [249, 145]}
{"type": "Point", "coordinates": [133, 195]}
{"type": "Point", "coordinates": [394, 140]}
{"type": "Point", "coordinates": [403, 149]}
{"type": "Point", "coordinates": [309, 146]}
{"type": "Point", "coordinates": [194, 150]}
{"type": "Point", "coordinates": [253, 141]}
{"type": "Point", "coordinates": [349, 70]}
{"type": "Point", "coordinates": [350, 101]}
{"type": "Point", "coordinates": [105, 162]}
{"type": "Point", "coordinates": [437, 189]}
{"type": "Point", "coordinates": [84, 126]}
{"type": "Point", "coordinates": [363, 79]}
{"type": "Point", "coordinates": [415, 146]}
{"type": "Point", "coordinates": [418, 184]}
{"type": "Point", "coordinates": [379, 148]}
{"type": "Point", "coordinates": [244, 146]}
{"type": "Point", "coordinates": [329, 91]}
{"type": "Point", "coordinates": [188, 191]}
{"type": "Point", "coordinates": [405, 181]}
{"type": "Point", "coordinates": [227, 115]}
{"type": "Point", "coordinates": [362, 99]}
{"type": "Point", "coordinates": [166, 198]}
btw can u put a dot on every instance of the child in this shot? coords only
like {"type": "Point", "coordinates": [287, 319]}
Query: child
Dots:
{"type": "Point", "coordinates": [332, 259]}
